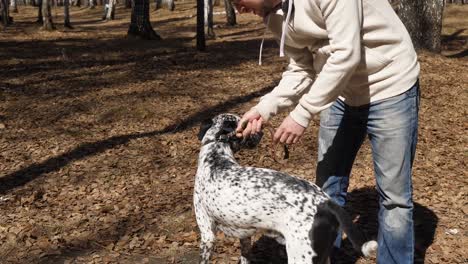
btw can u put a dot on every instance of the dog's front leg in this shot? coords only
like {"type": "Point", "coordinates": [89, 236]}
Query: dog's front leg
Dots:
{"type": "Point", "coordinates": [207, 234]}
{"type": "Point", "coordinates": [206, 247]}
{"type": "Point", "coordinates": [246, 246]}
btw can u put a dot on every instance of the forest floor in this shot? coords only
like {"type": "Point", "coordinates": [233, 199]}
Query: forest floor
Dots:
{"type": "Point", "coordinates": [98, 144]}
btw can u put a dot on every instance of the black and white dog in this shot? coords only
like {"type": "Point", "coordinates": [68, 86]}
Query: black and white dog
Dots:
{"type": "Point", "coordinates": [241, 200]}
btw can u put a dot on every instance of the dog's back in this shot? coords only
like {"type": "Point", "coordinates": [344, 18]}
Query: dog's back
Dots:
{"type": "Point", "coordinates": [258, 198]}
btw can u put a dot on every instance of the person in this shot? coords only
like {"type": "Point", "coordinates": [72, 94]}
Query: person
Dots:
{"type": "Point", "coordinates": [352, 62]}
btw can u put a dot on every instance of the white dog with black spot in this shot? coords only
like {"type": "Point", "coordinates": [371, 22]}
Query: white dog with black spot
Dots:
{"type": "Point", "coordinates": [240, 200]}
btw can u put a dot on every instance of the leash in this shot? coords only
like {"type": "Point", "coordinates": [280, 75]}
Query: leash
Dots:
{"type": "Point", "coordinates": [274, 147]}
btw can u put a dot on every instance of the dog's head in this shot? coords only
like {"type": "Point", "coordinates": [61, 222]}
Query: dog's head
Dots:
{"type": "Point", "coordinates": [222, 128]}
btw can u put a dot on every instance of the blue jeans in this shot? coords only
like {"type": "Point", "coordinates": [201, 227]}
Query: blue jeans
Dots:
{"type": "Point", "coordinates": [391, 126]}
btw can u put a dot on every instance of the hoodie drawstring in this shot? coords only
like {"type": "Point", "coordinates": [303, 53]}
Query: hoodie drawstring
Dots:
{"type": "Point", "coordinates": [263, 40]}
{"type": "Point", "coordinates": [285, 26]}
{"type": "Point", "coordinates": [283, 33]}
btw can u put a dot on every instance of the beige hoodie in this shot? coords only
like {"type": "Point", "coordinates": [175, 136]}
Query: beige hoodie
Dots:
{"type": "Point", "coordinates": [357, 50]}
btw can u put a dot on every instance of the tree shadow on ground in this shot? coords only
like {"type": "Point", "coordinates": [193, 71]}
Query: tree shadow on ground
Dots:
{"type": "Point", "coordinates": [363, 203]}
{"type": "Point", "coordinates": [455, 42]}
{"type": "Point", "coordinates": [84, 57]}
{"type": "Point", "coordinates": [25, 175]}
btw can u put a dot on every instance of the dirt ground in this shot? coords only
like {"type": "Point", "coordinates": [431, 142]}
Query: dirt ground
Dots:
{"type": "Point", "coordinates": [98, 140]}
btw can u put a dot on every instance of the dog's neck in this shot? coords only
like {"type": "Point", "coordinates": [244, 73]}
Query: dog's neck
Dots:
{"type": "Point", "coordinates": [217, 154]}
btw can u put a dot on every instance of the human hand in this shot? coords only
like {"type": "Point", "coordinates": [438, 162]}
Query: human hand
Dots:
{"type": "Point", "coordinates": [250, 123]}
{"type": "Point", "coordinates": [289, 132]}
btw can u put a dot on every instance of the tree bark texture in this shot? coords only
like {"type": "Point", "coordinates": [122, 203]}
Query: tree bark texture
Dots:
{"type": "Point", "coordinates": [230, 13]}
{"type": "Point", "coordinates": [39, 11]}
{"type": "Point", "coordinates": [423, 19]}
{"type": "Point", "coordinates": [201, 25]}
{"type": "Point", "coordinates": [66, 13]}
{"type": "Point", "coordinates": [109, 13]}
{"type": "Point", "coordinates": [140, 25]}
{"type": "Point", "coordinates": [208, 14]}
{"type": "Point", "coordinates": [47, 23]}
{"type": "Point", "coordinates": [5, 14]}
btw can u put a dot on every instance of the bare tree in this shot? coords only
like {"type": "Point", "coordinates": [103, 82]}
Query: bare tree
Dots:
{"type": "Point", "coordinates": [168, 3]}
{"type": "Point", "coordinates": [47, 23]}
{"type": "Point", "coordinates": [39, 12]}
{"type": "Point", "coordinates": [14, 6]}
{"type": "Point", "coordinates": [140, 25]}
{"type": "Point", "coordinates": [109, 10]}
{"type": "Point", "coordinates": [208, 12]}
{"type": "Point", "coordinates": [230, 13]}
{"type": "Point", "coordinates": [423, 19]}
{"type": "Point", "coordinates": [66, 12]}
{"type": "Point", "coordinates": [201, 25]}
{"type": "Point", "coordinates": [5, 14]}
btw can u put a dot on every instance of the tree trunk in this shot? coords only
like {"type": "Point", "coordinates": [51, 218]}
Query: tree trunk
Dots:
{"type": "Point", "coordinates": [230, 13]}
{"type": "Point", "coordinates": [47, 23]}
{"type": "Point", "coordinates": [109, 10]}
{"type": "Point", "coordinates": [170, 5]}
{"type": "Point", "coordinates": [423, 19]}
{"type": "Point", "coordinates": [76, 3]}
{"type": "Point", "coordinates": [66, 11]}
{"type": "Point", "coordinates": [200, 25]}
{"type": "Point", "coordinates": [4, 15]}
{"type": "Point", "coordinates": [39, 12]}
{"type": "Point", "coordinates": [92, 4]}
{"type": "Point", "coordinates": [14, 6]}
{"type": "Point", "coordinates": [140, 25]}
{"type": "Point", "coordinates": [208, 6]}
{"type": "Point", "coordinates": [106, 9]}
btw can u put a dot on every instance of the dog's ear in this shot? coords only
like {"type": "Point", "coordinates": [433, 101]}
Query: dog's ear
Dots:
{"type": "Point", "coordinates": [204, 126]}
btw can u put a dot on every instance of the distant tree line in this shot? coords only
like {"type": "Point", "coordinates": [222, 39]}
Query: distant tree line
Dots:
{"type": "Point", "coordinates": [140, 25]}
{"type": "Point", "coordinates": [422, 18]}
{"type": "Point", "coordinates": [456, 2]}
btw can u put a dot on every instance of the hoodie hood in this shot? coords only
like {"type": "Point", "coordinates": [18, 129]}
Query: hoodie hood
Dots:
{"type": "Point", "coordinates": [288, 8]}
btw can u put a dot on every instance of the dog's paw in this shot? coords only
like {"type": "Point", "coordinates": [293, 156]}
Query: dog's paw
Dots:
{"type": "Point", "coordinates": [243, 260]}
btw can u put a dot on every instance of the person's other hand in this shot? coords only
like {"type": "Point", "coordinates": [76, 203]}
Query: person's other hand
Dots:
{"type": "Point", "coordinates": [289, 132]}
{"type": "Point", "coordinates": [250, 123]}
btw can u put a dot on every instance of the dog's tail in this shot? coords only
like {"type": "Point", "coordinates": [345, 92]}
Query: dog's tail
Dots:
{"type": "Point", "coordinates": [367, 248]}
